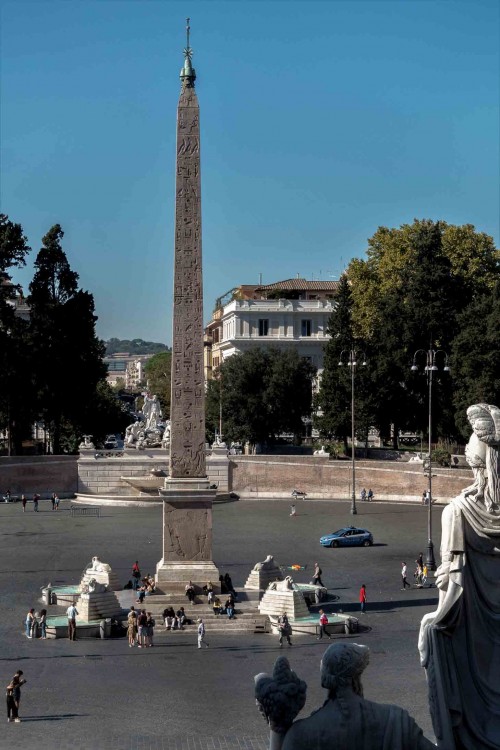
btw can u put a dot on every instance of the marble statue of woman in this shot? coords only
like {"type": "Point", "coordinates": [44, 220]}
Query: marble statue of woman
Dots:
{"type": "Point", "coordinates": [460, 642]}
{"type": "Point", "coordinates": [346, 719]}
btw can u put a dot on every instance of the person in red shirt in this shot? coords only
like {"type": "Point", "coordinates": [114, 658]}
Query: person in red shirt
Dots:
{"type": "Point", "coordinates": [362, 597]}
{"type": "Point", "coordinates": [323, 622]}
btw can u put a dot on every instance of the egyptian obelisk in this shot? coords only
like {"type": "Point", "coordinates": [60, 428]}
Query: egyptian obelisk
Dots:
{"type": "Point", "coordinates": [187, 499]}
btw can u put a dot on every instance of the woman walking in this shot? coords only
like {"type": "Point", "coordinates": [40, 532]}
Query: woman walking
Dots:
{"type": "Point", "coordinates": [150, 630]}
{"type": "Point", "coordinates": [23, 500]}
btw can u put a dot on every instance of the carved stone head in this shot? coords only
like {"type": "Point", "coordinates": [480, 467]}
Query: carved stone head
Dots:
{"type": "Point", "coordinates": [343, 664]}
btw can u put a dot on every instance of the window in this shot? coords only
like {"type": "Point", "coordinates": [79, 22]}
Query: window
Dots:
{"type": "Point", "coordinates": [306, 326]}
{"type": "Point", "coordinates": [263, 327]}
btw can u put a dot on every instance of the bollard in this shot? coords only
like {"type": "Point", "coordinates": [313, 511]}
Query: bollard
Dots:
{"type": "Point", "coordinates": [105, 628]}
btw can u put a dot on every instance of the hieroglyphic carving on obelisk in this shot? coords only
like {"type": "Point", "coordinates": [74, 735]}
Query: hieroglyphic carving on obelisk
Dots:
{"type": "Point", "coordinates": [187, 416]}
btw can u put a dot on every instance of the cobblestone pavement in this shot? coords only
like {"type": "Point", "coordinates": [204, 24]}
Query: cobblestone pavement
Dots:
{"type": "Point", "coordinates": [101, 695]}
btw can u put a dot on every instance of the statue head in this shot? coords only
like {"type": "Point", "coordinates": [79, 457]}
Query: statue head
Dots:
{"type": "Point", "coordinates": [342, 666]}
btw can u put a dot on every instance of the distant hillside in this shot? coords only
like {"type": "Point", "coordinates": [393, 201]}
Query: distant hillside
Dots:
{"type": "Point", "coordinates": [136, 346]}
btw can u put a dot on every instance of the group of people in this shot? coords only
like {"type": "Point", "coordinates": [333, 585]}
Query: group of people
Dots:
{"type": "Point", "coordinates": [366, 496]}
{"type": "Point", "coordinates": [54, 501]}
{"type": "Point", "coordinates": [420, 574]}
{"type": "Point", "coordinates": [36, 622]}
{"type": "Point", "coordinates": [140, 628]}
{"type": "Point", "coordinates": [175, 620]}
{"type": "Point", "coordinates": [13, 696]}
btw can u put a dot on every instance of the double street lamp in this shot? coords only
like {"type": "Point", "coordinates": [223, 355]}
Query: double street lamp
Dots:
{"type": "Point", "coordinates": [351, 361]}
{"type": "Point", "coordinates": [431, 357]}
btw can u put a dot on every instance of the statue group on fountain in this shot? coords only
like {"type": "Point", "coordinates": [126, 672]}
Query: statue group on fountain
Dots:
{"type": "Point", "coordinates": [149, 431]}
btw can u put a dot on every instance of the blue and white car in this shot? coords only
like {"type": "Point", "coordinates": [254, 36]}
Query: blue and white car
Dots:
{"type": "Point", "coordinates": [349, 536]}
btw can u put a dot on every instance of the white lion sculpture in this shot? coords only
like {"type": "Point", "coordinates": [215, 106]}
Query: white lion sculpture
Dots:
{"type": "Point", "coordinates": [99, 566]}
{"type": "Point", "coordinates": [285, 585]}
{"type": "Point", "coordinates": [267, 564]}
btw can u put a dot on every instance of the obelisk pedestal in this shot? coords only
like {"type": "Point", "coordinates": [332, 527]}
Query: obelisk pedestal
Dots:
{"type": "Point", "coordinates": [187, 499]}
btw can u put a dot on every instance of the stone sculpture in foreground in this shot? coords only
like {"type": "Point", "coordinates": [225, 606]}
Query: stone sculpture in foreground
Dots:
{"type": "Point", "coordinates": [460, 642]}
{"type": "Point", "coordinates": [346, 719]}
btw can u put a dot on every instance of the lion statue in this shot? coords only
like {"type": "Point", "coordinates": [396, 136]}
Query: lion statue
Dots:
{"type": "Point", "coordinates": [268, 564]}
{"type": "Point", "coordinates": [286, 585]}
{"type": "Point", "coordinates": [99, 566]}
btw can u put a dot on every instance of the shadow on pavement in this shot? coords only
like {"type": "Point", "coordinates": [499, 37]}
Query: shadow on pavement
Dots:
{"type": "Point", "coordinates": [52, 717]}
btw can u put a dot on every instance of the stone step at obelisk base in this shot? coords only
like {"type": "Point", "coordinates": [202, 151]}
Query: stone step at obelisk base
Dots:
{"type": "Point", "coordinates": [281, 597]}
{"type": "Point", "coordinates": [96, 605]}
{"type": "Point", "coordinates": [264, 573]}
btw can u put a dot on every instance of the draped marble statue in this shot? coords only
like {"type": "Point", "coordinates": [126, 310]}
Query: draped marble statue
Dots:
{"type": "Point", "coordinates": [346, 719]}
{"type": "Point", "coordinates": [460, 642]}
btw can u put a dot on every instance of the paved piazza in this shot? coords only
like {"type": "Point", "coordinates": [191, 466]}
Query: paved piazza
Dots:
{"type": "Point", "coordinates": [101, 695]}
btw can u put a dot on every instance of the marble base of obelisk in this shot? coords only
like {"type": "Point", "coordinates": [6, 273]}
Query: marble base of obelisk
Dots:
{"type": "Point", "coordinates": [187, 536]}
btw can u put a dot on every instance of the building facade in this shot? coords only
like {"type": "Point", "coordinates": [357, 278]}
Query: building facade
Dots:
{"type": "Point", "coordinates": [291, 313]}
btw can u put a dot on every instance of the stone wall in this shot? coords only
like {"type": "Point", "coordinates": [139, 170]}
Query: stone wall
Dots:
{"type": "Point", "coordinates": [41, 474]}
{"type": "Point", "coordinates": [99, 473]}
{"type": "Point", "coordinates": [260, 476]}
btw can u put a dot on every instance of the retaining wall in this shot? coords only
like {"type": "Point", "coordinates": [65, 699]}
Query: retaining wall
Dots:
{"type": "Point", "coordinates": [41, 474]}
{"type": "Point", "coordinates": [265, 476]}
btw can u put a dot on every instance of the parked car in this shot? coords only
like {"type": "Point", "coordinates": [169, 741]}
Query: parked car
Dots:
{"type": "Point", "coordinates": [111, 443]}
{"type": "Point", "coordinates": [350, 536]}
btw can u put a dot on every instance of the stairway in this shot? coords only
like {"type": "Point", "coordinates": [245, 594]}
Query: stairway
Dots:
{"type": "Point", "coordinates": [247, 618]}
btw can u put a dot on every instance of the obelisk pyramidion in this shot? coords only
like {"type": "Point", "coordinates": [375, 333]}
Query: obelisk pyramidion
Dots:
{"type": "Point", "coordinates": [187, 499]}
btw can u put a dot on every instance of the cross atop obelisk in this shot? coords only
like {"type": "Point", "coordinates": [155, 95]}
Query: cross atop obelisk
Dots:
{"type": "Point", "coordinates": [187, 499]}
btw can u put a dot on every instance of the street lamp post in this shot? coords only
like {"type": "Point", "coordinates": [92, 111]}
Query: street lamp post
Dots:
{"type": "Point", "coordinates": [351, 362]}
{"type": "Point", "coordinates": [430, 368]}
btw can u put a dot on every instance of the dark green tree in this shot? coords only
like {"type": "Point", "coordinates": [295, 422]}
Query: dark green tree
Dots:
{"type": "Point", "coordinates": [62, 330]}
{"type": "Point", "coordinates": [15, 386]}
{"type": "Point", "coordinates": [475, 358]}
{"type": "Point", "coordinates": [333, 400]}
{"type": "Point", "coordinates": [158, 372]}
{"type": "Point", "coordinates": [263, 392]}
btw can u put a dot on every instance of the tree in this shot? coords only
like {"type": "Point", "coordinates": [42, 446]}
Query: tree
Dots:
{"type": "Point", "coordinates": [158, 371]}
{"type": "Point", "coordinates": [134, 346]}
{"type": "Point", "coordinates": [408, 295]}
{"type": "Point", "coordinates": [15, 387]}
{"type": "Point", "coordinates": [333, 400]}
{"type": "Point", "coordinates": [264, 393]}
{"type": "Point", "coordinates": [475, 358]}
{"type": "Point", "coordinates": [62, 330]}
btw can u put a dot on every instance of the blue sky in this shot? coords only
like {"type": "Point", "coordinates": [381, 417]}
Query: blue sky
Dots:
{"type": "Point", "coordinates": [320, 122]}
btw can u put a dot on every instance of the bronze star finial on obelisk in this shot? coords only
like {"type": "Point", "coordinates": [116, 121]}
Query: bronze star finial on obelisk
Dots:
{"type": "Point", "coordinates": [188, 73]}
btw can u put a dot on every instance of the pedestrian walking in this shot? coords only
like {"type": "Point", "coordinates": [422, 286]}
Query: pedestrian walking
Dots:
{"type": "Point", "coordinates": [30, 623]}
{"type": "Point", "coordinates": [293, 511]}
{"type": "Point", "coordinates": [285, 629]}
{"type": "Point", "coordinates": [201, 633]}
{"type": "Point", "coordinates": [13, 696]}
{"type": "Point", "coordinates": [362, 597]}
{"type": "Point", "coordinates": [363, 495]}
{"type": "Point", "coordinates": [323, 622]}
{"type": "Point", "coordinates": [420, 560]}
{"type": "Point", "coordinates": [56, 502]}
{"type": "Point", "coordinates": [42, 622]}
{"type": "Point", "coordinates": [18, 681]}
{"type": "Point", "coordinates": [36, 498]}
{"type": "Point", "coordinates": [71, 614]}
{"type": "Point", "coordinates": [132, 627]}
{"type": "Point", "coordinates": [317, 575]}
{"type": "Point", "coordinates": [424, 574]}
{"type": "Point", "coordinates": [23, 501]}
{"type": "Point", "coordinates": [403, 576]}
{"type": "Point", "coordinates": [53, 500]}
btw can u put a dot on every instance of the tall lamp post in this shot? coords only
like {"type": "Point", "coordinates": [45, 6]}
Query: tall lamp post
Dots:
{"type": "Point", "coordinates": [430, 367]}
{"type": "Point", "coordinates": [351, 362]}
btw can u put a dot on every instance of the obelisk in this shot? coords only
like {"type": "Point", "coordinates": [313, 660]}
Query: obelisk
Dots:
{"type": "Point", "coordinates": [187, 499]}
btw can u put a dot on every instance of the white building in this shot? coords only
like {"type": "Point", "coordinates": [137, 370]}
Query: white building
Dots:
{"type": "Point", "coordinates": [300, 322]}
